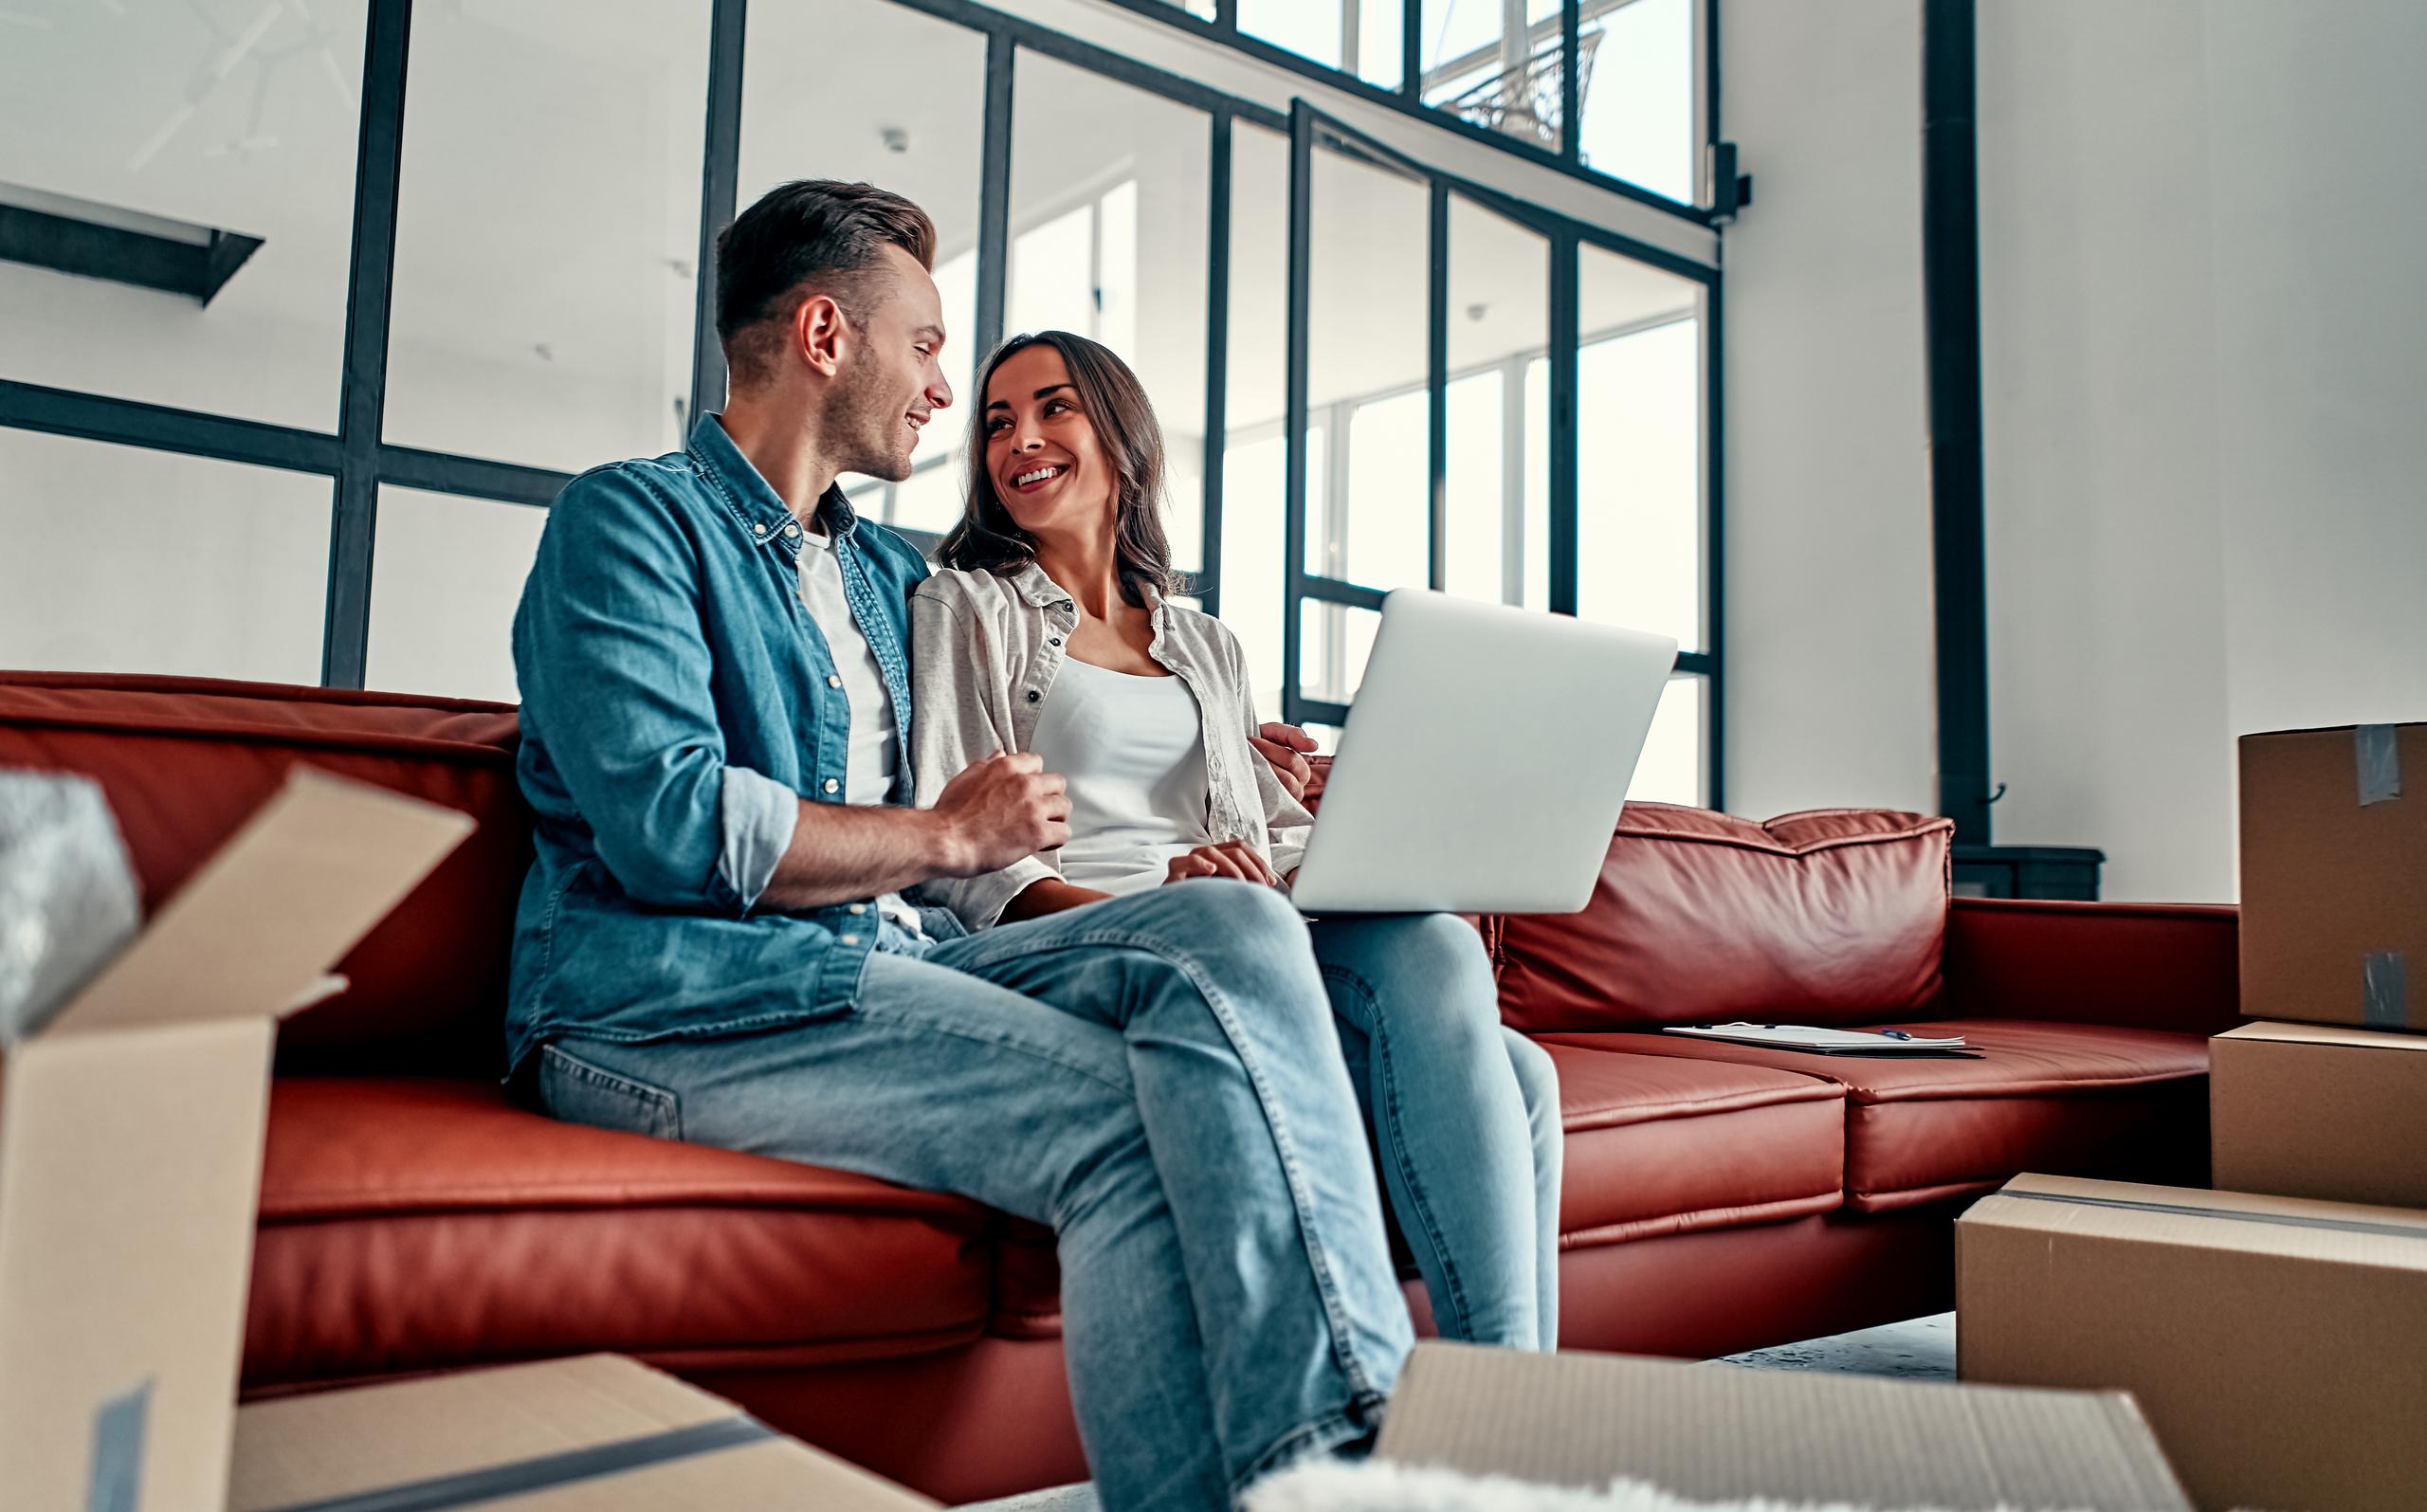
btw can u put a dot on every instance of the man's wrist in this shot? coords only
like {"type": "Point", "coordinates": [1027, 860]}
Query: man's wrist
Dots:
{"type": "Point", "coordinates": [945, 845]}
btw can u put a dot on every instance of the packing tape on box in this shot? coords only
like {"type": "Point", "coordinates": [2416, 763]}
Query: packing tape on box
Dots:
{"type": "Point", "coordinates": [2384, 989]}
{"type": "Point", "coordinates": [2398, 1231]}
{"type": "Point", "coordinates": [2380, 763]}
{"type": "Point", "coordinates": [542, 1472]}
{"type": "Point", "coordinates": [117, 1482]}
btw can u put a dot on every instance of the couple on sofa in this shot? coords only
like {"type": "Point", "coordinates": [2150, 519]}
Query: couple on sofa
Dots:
{"type": "Point", "coordinates": [756, 728]}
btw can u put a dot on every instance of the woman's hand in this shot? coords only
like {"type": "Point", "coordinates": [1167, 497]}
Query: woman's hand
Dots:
{"type": "Point", "coordinates": [1285, 746]}
{"type": "Point", "coordinates": [1231, 858]}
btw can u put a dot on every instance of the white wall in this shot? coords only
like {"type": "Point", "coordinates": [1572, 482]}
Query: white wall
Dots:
{"type": "Point", "coordinates": [2206, 339]}
{"type": "Point", "coordinates": [1830, 697]}
{"type": "Point", "coordinates": [2205, 350]}
{"type": "Point", "coordinates": [2098, 331]}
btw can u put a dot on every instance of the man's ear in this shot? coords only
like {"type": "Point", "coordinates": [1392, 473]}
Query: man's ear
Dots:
{"type": "Point", "coordinates": [820, 333]}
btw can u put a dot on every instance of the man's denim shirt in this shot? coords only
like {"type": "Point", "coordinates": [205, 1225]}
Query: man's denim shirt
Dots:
{"type": "Point", "coordinates": [678, 703]}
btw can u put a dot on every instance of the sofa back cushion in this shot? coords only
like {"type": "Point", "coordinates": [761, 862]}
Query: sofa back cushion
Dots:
{"type": "Point", "coordinates": [184, 761]}
{"type": "Point", "coordinates": [1831, 916]}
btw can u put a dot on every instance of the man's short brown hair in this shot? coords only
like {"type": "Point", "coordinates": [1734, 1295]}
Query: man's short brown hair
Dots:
{"type": "Point", "coordinates": [810, 236]}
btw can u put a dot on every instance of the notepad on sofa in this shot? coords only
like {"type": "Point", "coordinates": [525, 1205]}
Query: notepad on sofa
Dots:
{"type": "Point", "coordinates": [1815, 1040]}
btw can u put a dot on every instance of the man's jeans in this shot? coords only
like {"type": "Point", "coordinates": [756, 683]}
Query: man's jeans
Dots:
{"type": "Point", "coordinates": [1159, 1079]}
{"type": "Point", "coordinates": [1466, 1119]}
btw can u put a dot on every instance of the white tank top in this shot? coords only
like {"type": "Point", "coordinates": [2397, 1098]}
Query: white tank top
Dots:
{"type": "Point", "coordinates": [1133, 750]}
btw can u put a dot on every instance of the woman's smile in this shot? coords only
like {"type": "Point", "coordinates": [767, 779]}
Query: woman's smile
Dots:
{"type": "Point", "coordinates": [1035, 475]}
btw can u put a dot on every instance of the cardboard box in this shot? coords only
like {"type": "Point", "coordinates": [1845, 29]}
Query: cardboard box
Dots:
{"type": "Point", "coordinates": [2334, 876]}
{"type": "Point", "coordinates": [1724, 1432]}
{"type": "Point", "coordinates": [600, 1432]}
{"type": "Point", "coordinates": [2277, 1344]}
{"type": "Point", "coordinates": [2309, 1110]}
{"type": "Point", "coordinates": [130, 1133]}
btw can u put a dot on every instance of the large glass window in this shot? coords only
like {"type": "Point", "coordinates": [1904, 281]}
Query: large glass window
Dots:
{"type": "Point", "coordinates": [1108, 240]}
{"type": "Point", "coordinates": [1636, 75]}
{"type": "Point", "coordinates": [126, 559]}
{"type": "Point", "coordinates": [1496, 65]}
{"type": "Point", "coordinates": [1368, 418]}
{"type": "Point", "coordinates": [544, 303]}
{"type": "Point", "coordinates": [1360, 37]}
{"type": "Point", "coordinates": [1248, 575]}
{"type": "Point", "coordinates": [1673, 768]}
{"type": "Point", "coordinates": [1333, 646]}
{"type": "Point", "coordinates": [548, 228]}
{"type": "Point", "coordinates": [1499, 327]}
{"type": "Point", "coordinates": [1366, 367]}
{"type": "Point", "coordinates": [157, 126]}
{"type": "Point", "coordinates": [444, 588]}
{"type": "Point", "coordinates": [1639, 448]}
{"type": "Point", "coordinates": [861, 124]}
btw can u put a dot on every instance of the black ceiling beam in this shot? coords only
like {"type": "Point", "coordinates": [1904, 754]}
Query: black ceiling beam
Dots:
{"type": "Point", "coordinates": [195, 266]}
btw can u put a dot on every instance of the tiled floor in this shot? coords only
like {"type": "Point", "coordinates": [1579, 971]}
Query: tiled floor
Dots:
{"type": "Point", "coordinates": [1923, 1349]}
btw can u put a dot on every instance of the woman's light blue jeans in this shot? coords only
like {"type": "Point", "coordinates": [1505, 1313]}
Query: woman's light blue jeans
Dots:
{"type": "Point", "coordinates": [1466, 1119]}
{"type": "Point", "coordinates": [1159, 1079]}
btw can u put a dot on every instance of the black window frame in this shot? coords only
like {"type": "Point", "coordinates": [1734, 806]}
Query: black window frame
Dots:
{"type": "Point", "coordinates": [359, 461]}
{"type": "Point", "coordinates": [1311, 129]}
{"type": "Point", "coordinates": [1407, 97]}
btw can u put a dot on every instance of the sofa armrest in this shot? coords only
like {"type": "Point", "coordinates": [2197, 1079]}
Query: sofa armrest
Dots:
{"type": "Point", "coordinates": [2161, 966]}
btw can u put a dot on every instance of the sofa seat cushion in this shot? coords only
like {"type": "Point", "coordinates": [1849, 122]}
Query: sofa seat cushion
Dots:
{"type": "Point", "coordinates": [2067, 1098]}
{"type": "Point", "coordinates": [413, 1224]}
{"type": "Point", "coordinates": [1661, 1145]}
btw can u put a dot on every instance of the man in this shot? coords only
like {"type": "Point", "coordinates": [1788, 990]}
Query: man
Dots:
{"type": "Point", "coordinates": [713, 944]}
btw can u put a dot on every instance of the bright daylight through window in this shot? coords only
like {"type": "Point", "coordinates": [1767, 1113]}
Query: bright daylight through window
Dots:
{"type": "Point", "coordinates": [1500, 400]}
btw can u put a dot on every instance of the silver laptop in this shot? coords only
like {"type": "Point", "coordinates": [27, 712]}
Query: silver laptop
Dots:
{"type": "Point", "coordinates": [1485, 761]}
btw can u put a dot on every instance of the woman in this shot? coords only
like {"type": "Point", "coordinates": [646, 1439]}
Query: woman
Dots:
{"type": "Point", "coordinates": [1051, 631]}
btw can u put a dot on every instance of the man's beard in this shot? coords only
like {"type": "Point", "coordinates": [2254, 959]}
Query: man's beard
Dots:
{"type": "Point", "coordinates": [865, 429]}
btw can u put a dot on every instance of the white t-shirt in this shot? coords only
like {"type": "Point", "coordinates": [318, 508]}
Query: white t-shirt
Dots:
{"type": "Point", "coordinates": [1133, 750]}
{"type": "Point", "coordinates": [876, 749]}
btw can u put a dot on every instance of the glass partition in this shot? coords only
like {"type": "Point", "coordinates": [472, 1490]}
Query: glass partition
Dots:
{"type": "Point", "coordinates": [444, 589]}
{"type": "Point", "coordinates": [155, 127]}
{"type": "Point", "coordinates": [1639, 448]}
{"type": "Point", "coordinates": [127, 559]}
{"type": "Point", "coordinates": [859, 124]}
{"type": "Point", "coordinates": [548, 230]}
{"type": "Point", "coordinates": [1110, 241]}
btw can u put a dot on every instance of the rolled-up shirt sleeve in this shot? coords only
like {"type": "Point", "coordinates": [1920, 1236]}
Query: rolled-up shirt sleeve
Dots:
{"type": "Point", "coordinates": [614, 673]}
{"type": "Point", "coordinates": [759, 816]}
{"type": "Point", "coordinates": [952, 685]}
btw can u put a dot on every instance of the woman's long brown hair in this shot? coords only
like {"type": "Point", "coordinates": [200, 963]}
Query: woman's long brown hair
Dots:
{"type": "Point", "coordinates": [988, 539]}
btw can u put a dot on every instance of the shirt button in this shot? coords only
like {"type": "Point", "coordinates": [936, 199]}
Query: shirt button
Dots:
{"type": "Point", "coordinates": [1033, 695]}
{"type": "Point", "coordinates": [851, 939]}
{"type": "Point", "coordinates": [832, 786]}
{"type": "Point", "coordinates": [833, 681]}
{"type": "Point", "coordinates": [859, 908]}
{"type": "Point", "coordinates": [1067, 605]}
{"type": "Point", "coordinates": [792, 530]}
{"type": "Point", "coordinates": [759, 530]}
{"type": "Point", "coordinates": [1053, 640]}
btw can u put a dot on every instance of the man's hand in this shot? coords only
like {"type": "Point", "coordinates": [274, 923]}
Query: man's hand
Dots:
{"type": "Point", "coordinates": [996, 812]}
{"type": "Point", "coordinates": [1285, 746]}
{"type": "Point", "coordinates": [1231, 858]}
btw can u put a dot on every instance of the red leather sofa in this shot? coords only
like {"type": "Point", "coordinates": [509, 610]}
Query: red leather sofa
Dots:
{"type": "Point", "coordinates": [1717, 1198]}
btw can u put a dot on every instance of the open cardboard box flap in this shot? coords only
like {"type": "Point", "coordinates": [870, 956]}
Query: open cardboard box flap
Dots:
{"type": "Point", "coordinates": [256, 927]}
{"type": "Point", "coordinates": [131, 1130]}
{"type": "Point", "coordinates": [600, 1431]}
{"type": "Point", "coordinates": [1724, 1432]}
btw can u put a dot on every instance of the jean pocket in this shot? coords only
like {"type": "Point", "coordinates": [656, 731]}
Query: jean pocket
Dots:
{"type": "Point", "coordinates": [579, 1091]}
